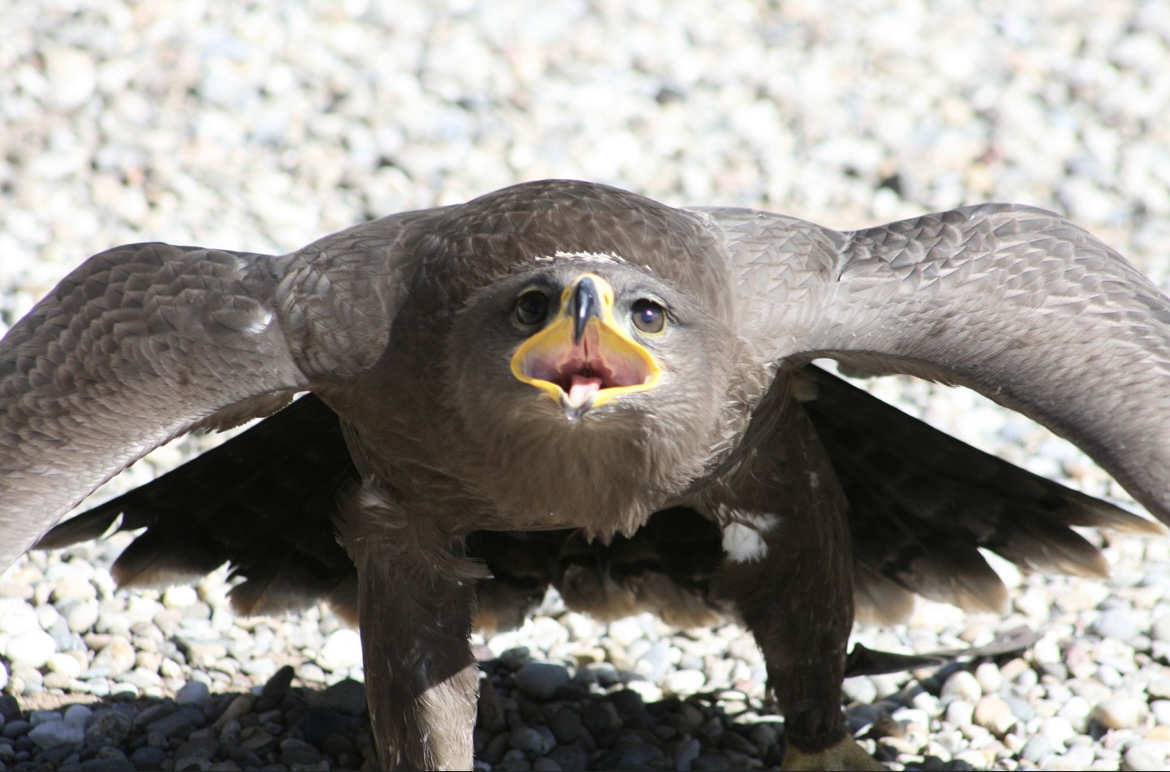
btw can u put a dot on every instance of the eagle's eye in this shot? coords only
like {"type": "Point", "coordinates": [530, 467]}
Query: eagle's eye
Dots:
{"type": "Point", "coordinates": [649, 316]}
{"type": "Point", "coordinates": [531, 308]}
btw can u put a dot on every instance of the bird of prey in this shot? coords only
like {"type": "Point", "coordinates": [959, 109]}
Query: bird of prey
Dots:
{"type": "Point", "coordinates": [564, 363]}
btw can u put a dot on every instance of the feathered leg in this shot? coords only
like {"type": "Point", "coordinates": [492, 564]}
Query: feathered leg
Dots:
{"type": "Point", "coordinates": [416, 609]}
{"type": "Point", "coordinates": [788, 568]}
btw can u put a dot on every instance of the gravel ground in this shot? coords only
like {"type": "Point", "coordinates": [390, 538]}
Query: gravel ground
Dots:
{"type": "Point", "coordinates": [262, 126]}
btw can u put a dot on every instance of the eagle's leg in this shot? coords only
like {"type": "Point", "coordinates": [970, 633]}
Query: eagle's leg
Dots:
{"type": "Point", "coordinates": [788, 568]}
{"type": "Point", "coordinates": [416, 609]}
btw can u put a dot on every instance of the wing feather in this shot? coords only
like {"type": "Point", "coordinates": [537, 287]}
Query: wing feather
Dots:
{"type": "Point", "coordinates": [1015, 302]}
{"type": "Point", "coordinates": [145, 342]}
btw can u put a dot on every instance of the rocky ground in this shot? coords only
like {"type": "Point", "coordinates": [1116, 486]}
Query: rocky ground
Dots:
{"type": "Point", "coordinates": [261, 126]}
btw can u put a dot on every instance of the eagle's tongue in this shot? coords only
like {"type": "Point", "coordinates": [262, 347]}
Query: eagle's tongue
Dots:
{"type": "Point", "coordinates": [581, 388]}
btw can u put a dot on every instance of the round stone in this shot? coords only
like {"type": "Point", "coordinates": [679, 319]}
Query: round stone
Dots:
{"type": "Point", "coordinates": [1119, 712]}
{"type": "Point", "coordinates": [31, 649]}
{"type": "Point", "coordinates": [684, 681]}
{"type": "Point", "coordinates": [994, 714]}
{"type": "Point", "coordinates": [193, 693]}
{"type": "Point", "coordinates": [342, 650]}
{"type": "Point", "coordinates": [540, 680]}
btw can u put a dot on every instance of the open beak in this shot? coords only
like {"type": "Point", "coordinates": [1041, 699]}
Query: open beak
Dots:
{"type": "Point", "coordinates": [582, 359]}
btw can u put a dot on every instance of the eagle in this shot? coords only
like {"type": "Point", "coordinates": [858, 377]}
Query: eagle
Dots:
{"type": "Point", "coordinates": [565, 384]}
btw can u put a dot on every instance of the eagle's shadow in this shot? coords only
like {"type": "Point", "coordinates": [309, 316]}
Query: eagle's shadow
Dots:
{"type": "Point", "coordinates": [587, 723]}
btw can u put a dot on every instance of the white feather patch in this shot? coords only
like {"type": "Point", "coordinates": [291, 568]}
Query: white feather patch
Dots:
{"type": "Point", "coordinates": [742, 543]}
{"type": "Point", "coordinates": [589, 257]}
{"type": "Point", "coordinates": [741, 537]}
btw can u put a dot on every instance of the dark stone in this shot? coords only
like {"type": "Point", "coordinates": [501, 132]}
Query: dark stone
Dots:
{"type": "Point", "coordinates": [490, 713]}
{"type": "Point", "coordinates": [108, 728]}
{"type": "Point", "coordinates": [540, 680]}
{"type": "Point", "coordinates": [663, 707]}
{"type": "Point", "coordinates": [630, 751]}
{"type": "Point", "coordinates": [537, 740]}
{"type": "Point", "coordinates": [689, 718]}
{"type": "Point", "coordinates": [737, 742]}
{"type": "Point", "coordinates": [336, 744]}
{"type": "Point", "coordinates": [316, 724]}
{"type": "Point", "coordinates": [600, 717]}
{"type": "Point", "coordinates": [628, 702]}
{"type": "Point", "coordinates": [572, 758]}
{"type": "Point", "coordinates": [172, 725]}
{"type": "Point", "coordinates": [298, 752]}
{"type": "Point", "coordinates": [256, 739]}
{"type": "Point", "coordinates": [346, 696]}
{"type": "Point", "coordinates": [244, 757]}
{"type": "Point", "coordinates": [16, 728]}
{"type": "Point", "coordinates": [9, 707]}
{"type": "Point", "coordinates": [496, 748]}
{"type": "Point", "coordinates": [108, 765]}
{"type": "Point", "coordinates": [566, 725]}
{"type": "Point", "coordinates": [198, 747]}
{"type": "Point", "coordinates": [277, 686]}
{"type": "Point", "coordinates": [529, 712]}
{"type": "Point", "coordinates": [711, 762]}
{"type": "Point", "coordinates": [572, 692]}
{"type": "Point", "coordinates": [155, 712]}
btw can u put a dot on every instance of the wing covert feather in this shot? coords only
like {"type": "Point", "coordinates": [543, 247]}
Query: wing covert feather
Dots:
{"type": "Point", "coordinates": [131, 349]}
{"type": "Point", "coordinates": [144, 342]}
{"type": "Point", "coordinates": [1015, 302]}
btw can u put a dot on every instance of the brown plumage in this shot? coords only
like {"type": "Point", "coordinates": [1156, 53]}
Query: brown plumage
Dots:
{"type": "Point", "coordinates": [674, 346]}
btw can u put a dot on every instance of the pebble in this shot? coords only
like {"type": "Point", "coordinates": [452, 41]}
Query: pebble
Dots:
{"type": "Point", "coordinates": [193, 693]}
{"type": "Point", "coordinates": [342, 650]}
{"type": "Point", "coordinates": [347, 697]}
{"type": "Point", "coordinates": [53, 734]}
{"type": "Point", "coordinates": [1145, 755]}
{"type": "Point", "coordinates": [684, 681]}
{"type": "Point", "coordinates": [540, 680]}
{"type": "Point", "coordinates": [994, 714]}
{"type": "Point", "coordinates": [701, 102]}
{"type": "Point", "coordinates": [31, 648]}
{"type": "Point", "coordinates": [109, 728]}
{"type": "Point", "coordinates": [1119, 713]}
{"type": "Point", "coordinates": [962, 685]}
{"type": "Point", "coordinates": [114, 659]}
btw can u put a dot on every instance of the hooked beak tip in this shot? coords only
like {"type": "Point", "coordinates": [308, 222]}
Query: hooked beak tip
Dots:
{"type": "Point", "coordinates": [586, 305]}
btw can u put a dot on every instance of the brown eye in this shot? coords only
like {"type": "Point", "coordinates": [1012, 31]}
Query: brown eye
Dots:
{"type": "Point", "coordinates": [531, 308]}
{"type": "Point", "coordinates": [649, 316]}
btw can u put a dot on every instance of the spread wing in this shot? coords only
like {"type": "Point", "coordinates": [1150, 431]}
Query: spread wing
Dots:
{"type": "Point", "coordinates": [1014, 302]}
{"type": "Point", "coordinates": [147, 341]}
{"type": "Point", "coordinates": [921, 503]}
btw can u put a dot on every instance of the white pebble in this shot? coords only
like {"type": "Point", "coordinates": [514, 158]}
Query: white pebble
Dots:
{"type": "Point", "coordinates": [16, 617]}
{"type": "Point", "coordinates": [71, 77]}
{"type": "Point", "coordinates": [962, 685]}
{"type": "Point", "coordinates": [81, 615]}
{"type": "Point", "coordinates": [684, 681]}
{"type": "Point", "coordinates": [989, 677]}
{"type": "Point", "coordinates": [625, 631]}
{"type": "Point", "coordinates": [193, 693]}
{"type": "Point", "coordinates": [180, 596]}
{"type": "Point", "coordinates": [65, 664]}
{"type": "Point", "coordinates": [994, 714]}
{"type": "Point", "coordinates": [31, 649]}
{"type": "Point", "coordinates": [342, 650]}
{"type": "Point", "coordinates": [1119, 713]}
